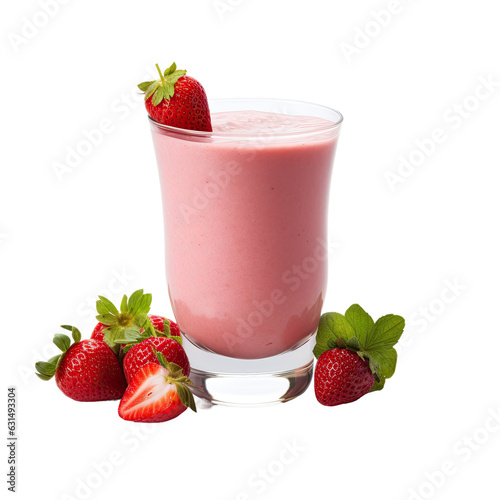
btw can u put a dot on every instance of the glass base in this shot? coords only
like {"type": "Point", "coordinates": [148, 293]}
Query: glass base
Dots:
{"type": "Point", "coordinates": [228, 381]}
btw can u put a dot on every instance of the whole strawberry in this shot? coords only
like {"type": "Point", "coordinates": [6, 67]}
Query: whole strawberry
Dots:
{"type": "Point", "coordinates": [158, 392]}
{"type": "Point", "coordinates": [355, 354]}
{"type": "Point", "coordinates": [177, 100]}
{"type": "Point", "coordinates": [141, 354]}
{"type": "Point", "coordinates": [87, 370]}
{"type": "Point", "coordinates": [341, 376]}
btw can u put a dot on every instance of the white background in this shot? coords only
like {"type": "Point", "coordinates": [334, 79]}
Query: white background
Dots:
{"type": "Point", "coordinates": [429, 243]}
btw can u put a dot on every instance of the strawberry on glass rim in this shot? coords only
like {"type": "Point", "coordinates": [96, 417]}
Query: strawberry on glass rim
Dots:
{"type": "Point", "coordinates": [177, 100]}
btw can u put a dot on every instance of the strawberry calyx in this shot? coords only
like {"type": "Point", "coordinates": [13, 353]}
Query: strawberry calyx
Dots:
{"type": "Point", "coordinates": [167, 332]}
{"type": "Point", "coordinates": [47, 369]}
{"type": "Point", "coordinates": [130, 325]}
{"type": "Point", "coordinates": [352, 344]}
{"type": "Point", "coordinates": [177, 378]}
{"type": "Point", "coordinates": [126, 322]}
{"type": "Point", "coordinates": [133, 336]}
{"type": "Point", "coordinates": [164, 88]}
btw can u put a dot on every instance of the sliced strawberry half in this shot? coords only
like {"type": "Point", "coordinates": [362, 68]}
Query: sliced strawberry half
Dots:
{"type": "Point", "coordinates": [157, 393]}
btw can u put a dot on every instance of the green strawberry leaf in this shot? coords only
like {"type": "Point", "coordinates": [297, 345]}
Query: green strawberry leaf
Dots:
{"type": "Point", "coordinates": [158, 96]}
{"type": "Point", "coordinates": [144, 304]}
{"type": "Point", "coordinates": [54, 360]}
{"type": "Point", "coordinates": [134, 300]}
{"type": "Point", "coordinates": [168, 90]}
{"type": "Point", "coordinates": [123, 305]}
{"type": "Point", "coordinates": [111, 335]}
{"type": "Point", "coordinates": [386, 359]}
{"type": "Point", "coordinates": [62, 341]}
{"type": "Point", "coordinates": [160, 357]}
{"type": "Point", "coordinates": [176, 75]}
{"type": "Point", "coordinates": [167, 332]}
{"type": "Point", "coordinates": [381, 341]}
{"type": "Point", "coordinates": [378, 386]}
{"type": "Point", "coordinates": [144, 86]}
{"type": "Point", "coordinates": [170, 70]}
{"type": "Point", "coordinates": [75, 333]}
{"type": "Point", "coordinates": [151, 89]}
{"type": "Point", "coordinates": [129, 335]}
{"type": "Point", "coordinates": [149, 329]}
{"type": "Point", "coordinates": [361, 321]}
{"type": "Point", "coordinates": [107, 319]}
{"type": "Point", "coordinates": [166, 327]}
{"type": "Point", "coordinates": [388, 330]}
{"type": "Point", "coordinates": [101, 308]}
{"type": "Point", "coordinates": [331, 326]}
{"type": "Point", "coordinates": [45, 370]}
{"type": "Point", "coordinates": [141, 320]}
{"type": "Point", "coordinates": [186, 396]}
{"type": "Point", "coordinates": [105, 306]}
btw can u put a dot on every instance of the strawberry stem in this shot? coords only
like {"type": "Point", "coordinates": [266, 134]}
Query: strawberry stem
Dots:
{"type": "Point", "coordinates": [160, 73]}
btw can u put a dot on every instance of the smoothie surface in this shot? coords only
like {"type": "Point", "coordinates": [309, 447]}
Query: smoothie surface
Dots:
{"type": "Point", "coordinates": [261, 123]}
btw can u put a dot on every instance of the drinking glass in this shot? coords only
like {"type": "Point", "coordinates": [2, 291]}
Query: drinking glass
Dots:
{"type": "Point", "coordinates": [245, 224]}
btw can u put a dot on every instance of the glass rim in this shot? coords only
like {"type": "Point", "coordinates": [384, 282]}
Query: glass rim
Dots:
{"type": "Point", "coordinates": [242, 135]}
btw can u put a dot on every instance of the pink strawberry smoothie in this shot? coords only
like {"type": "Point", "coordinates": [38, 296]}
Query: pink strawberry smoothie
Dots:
{"type": "Point", "coordinates": [245, 213]}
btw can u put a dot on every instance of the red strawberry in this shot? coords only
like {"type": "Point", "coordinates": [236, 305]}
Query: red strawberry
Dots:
{"type": "Point", "coordinates": [87, 370]}
{"type": "Point", "coordinates": [158, 392]}
{"type": "Point", "coordinates": [177, 100]}
{"type": "Point", "coordinates": [341, 376]}
{"type": "Point", "coordinates": [141, 354]}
